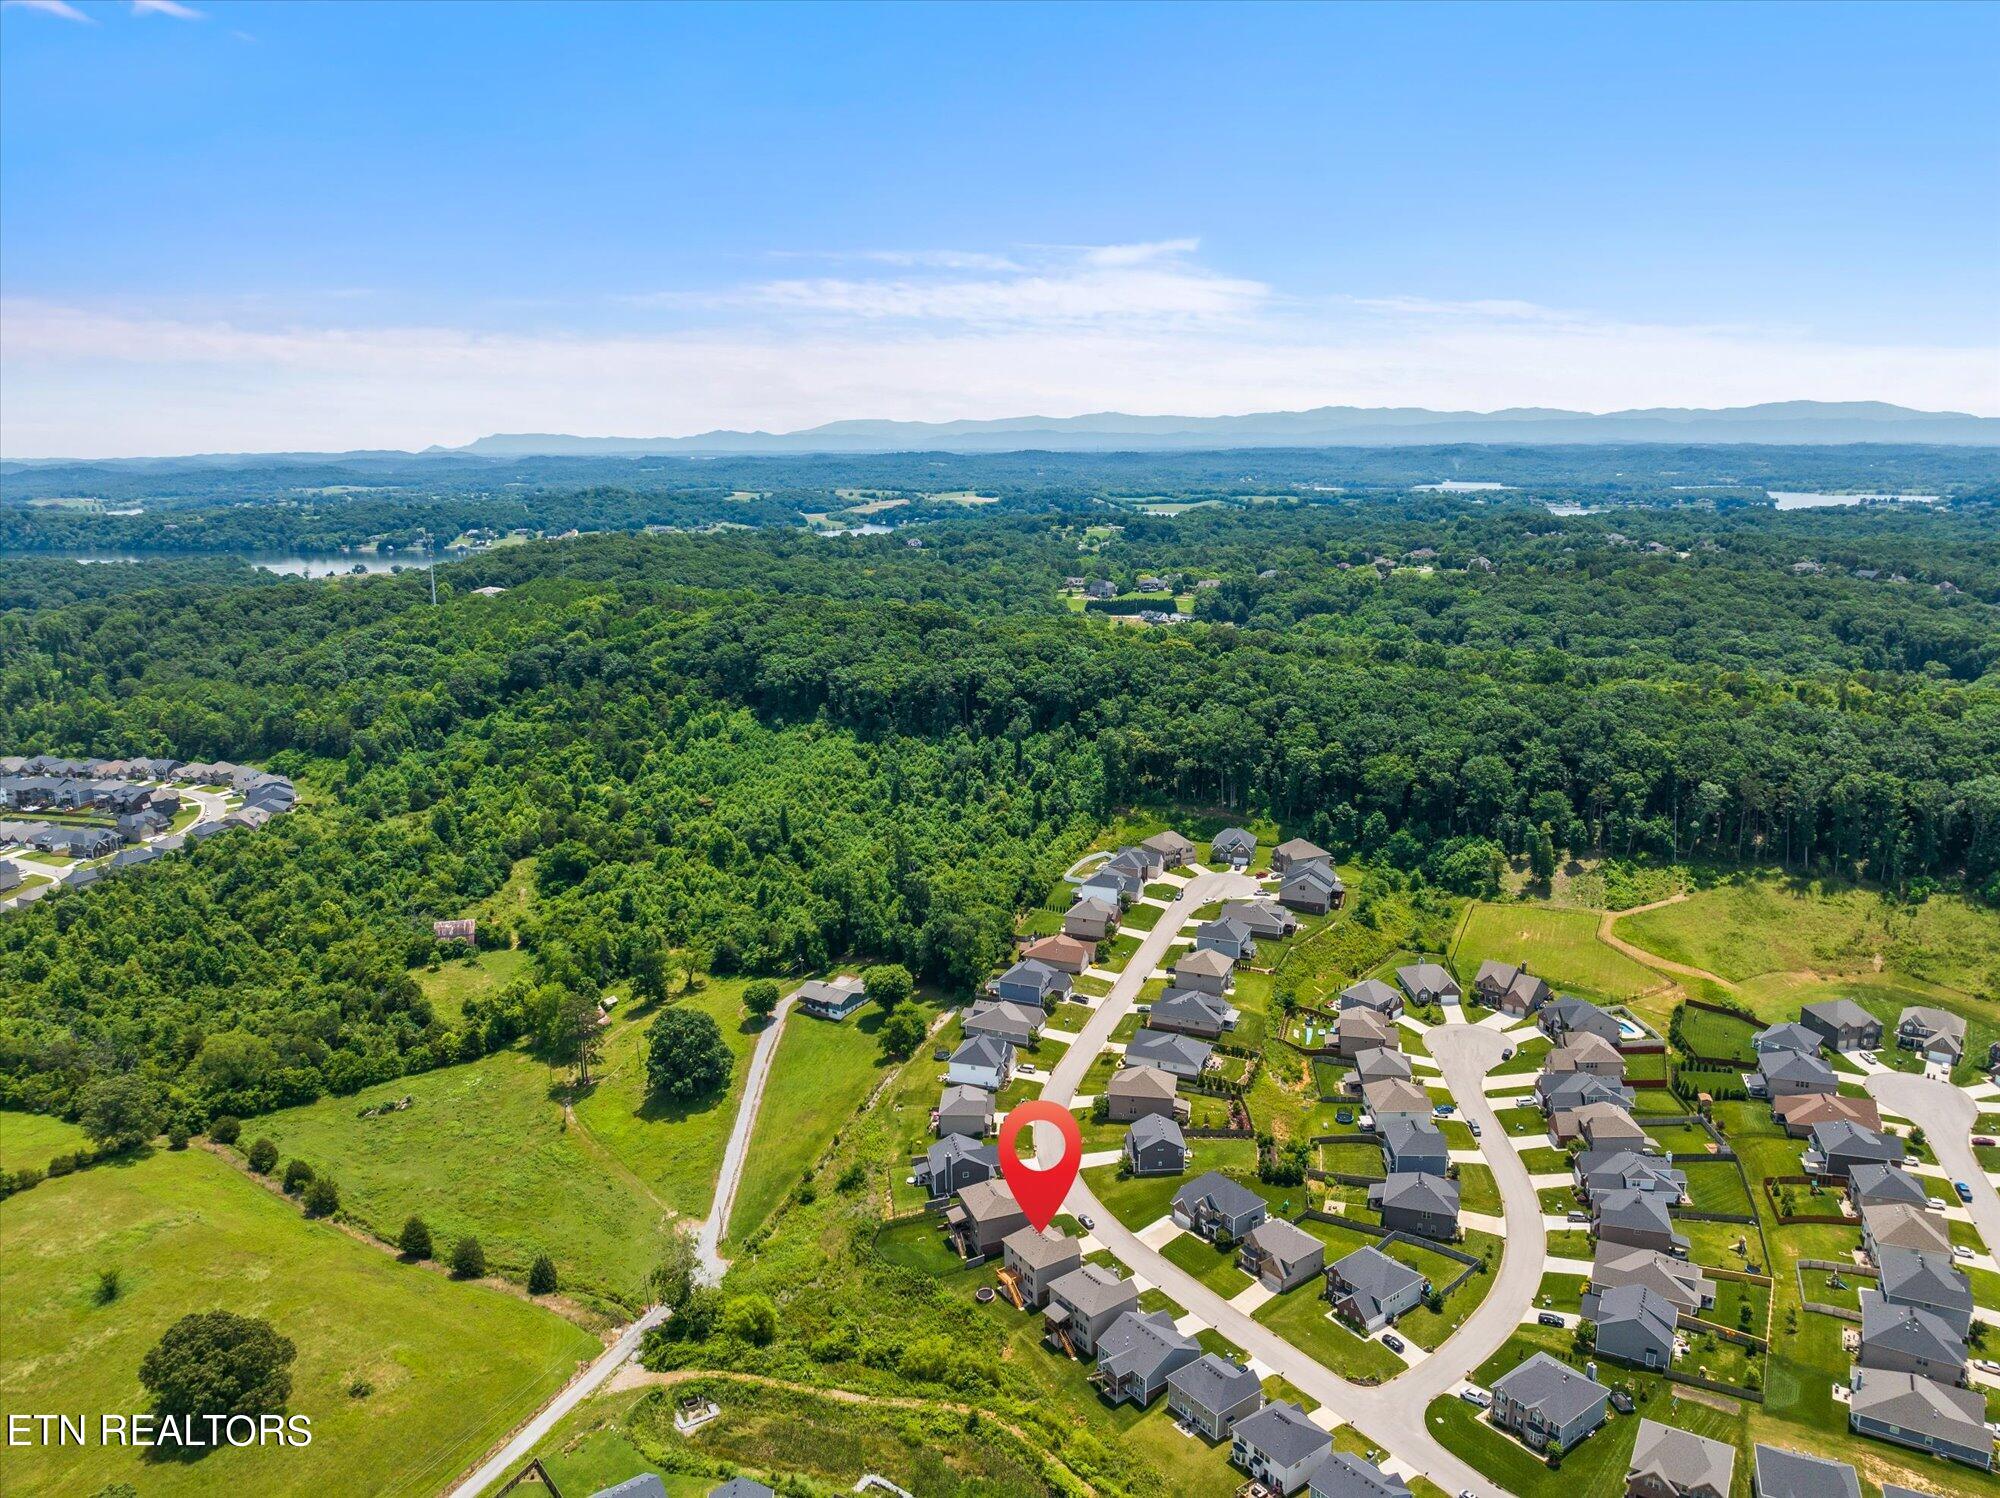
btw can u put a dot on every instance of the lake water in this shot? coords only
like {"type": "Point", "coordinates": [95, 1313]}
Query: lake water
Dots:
{"type": "Point", "coordinates": [1801, 501]}
{"type": "Point", "coordinates": [283, 566]}
{"type": "Point", "coordinates": [1460, 486]}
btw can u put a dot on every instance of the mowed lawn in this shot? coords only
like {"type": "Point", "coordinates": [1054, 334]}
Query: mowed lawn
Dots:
{"type": "Point", "coordinates": [823, 1072]}
{"type": "Point", "coordinates": [483, 1150]}
{"type": "Point", "coordinates": [31, 1140]}
{"type": "Point", "coordinates": [451, 1366]}
{"type": "Point", "coordinates": [1559, 945]}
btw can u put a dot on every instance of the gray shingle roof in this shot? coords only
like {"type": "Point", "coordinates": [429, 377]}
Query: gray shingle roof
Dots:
{"type": "Point", "coordinates": [983, 1050]}
{"type": "Point", "coordinates": [1139, 1081]}
{"type": "Point", "coordinates": [1843, 1013]}
{"type": "Point", "coordinates": [1374, 1278]}
{"type": "Point", "coordinates": [1790, 1036]}
{"type": "Point", "coordinates": [1885, 1183]}
{"type": "Point", "coordinates": [1638, 1209]}
{"type": "Point", "coordinates": [1139, 1342]}
{"type": "Point", "coordinates": [1282, 1433]}
{"type": "Point", "coordinates": [1159, 1047]}
{"type": "Point", "coordinates": [1214, 1383]}
{"type": "Point", "coordinates": [1344, 1475]}
{"type": "Point", "coordinates": [1557, 1391]}
{"type": "Point", "coordinates": [1796, 1067]}
{"type": "Point", "coordinates": [1040, 1249]}
{"type": "Point", "coordinates": [1681, 1459]}
{"type": "Point", "coordinates": [1908, 1329]}
{"type": "Point", "coordinates": [1093, 1289]}
{"type": "Point", "coordinates": [1153, 1128]}
{"type": "Point", "coordinates": [1414, 1191]}
{"type": "Point", "coordinates": [1921, 1405]}
{"type": "Point", "coordinates": [1230, 1198]}
{"type": "Point", "coordinates": [1842, 1137]}
{"type": "Point", "coordinates": [1912, 1274]}
{"type": "Point", "coordinates": [1653, 1312]}
{"type": "Point", "coordinates": [1371, 993]}
{"type": "Point", "coordinates": [1789, 1474]}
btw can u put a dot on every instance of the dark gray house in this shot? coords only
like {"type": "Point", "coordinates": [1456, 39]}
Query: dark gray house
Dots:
{"type": "Point", "coordinates": [1879, 1185]}
{"type": "Point", "coordinates": [1369, 1289]}
{"type": "Point", "coordinates": [1787, 1073]}
{"type": "Point", "coordinates": [1037, 1260]}
{"type": "Point", "coordinates": [1428, 983]}
{"type": "Point", "coordinates": [1548, 1404]}
{"type": "Point", "coordinates": [1905, 1339]}
{"type": "Point", "coordinates": [1668, 1462]}
{"type": "Point", "coordinates": [1509, 987]}
{"type": "Point", "coordinates": [955, 1162]}
{"type": "Point", "coordinates": [1231, 938]}
{"type": "Point", "coordinates": [1599, 1171]}
{"type": "Point", "coordinates": [1915, 1412]}
{"type": "Point", "coordinates": [1425, 1205]}
{"type": "Point", "coordinates": [1155, 1146]}
{"type": "Point", "coordinates": [1417, 1145]}
{"type": "Point", "coordinates": [965, 1110]}
{"type": "Point", "coordinates": [1295, 851]}
{"type": "Point", "coordinates": [1214, 1206]}
{"type": "Point", "coordinates": [1266, 919]}
{"type": "Point", "coordinates": [1637, 1219]}
{"type": "Point", "coordinates": [1842, 1025]}
{"type": "Point", "coordinates": [1278, 1446]}
{"type": "Point", "coordinates": [1787, 1036]}
{"type": "Point", "coordinates": [1032, 982]}
{"type": "Point", "coordinates": [1233, 847]}
{"type": "Point", "coordinates": [1835, 1148]}
{"type": "Point", "coordinates": [1188, 1011]}
{"type": "Point", "coordinates": [1788, 1474]}
{"type": "Point", "coordinates": [1372, 993]}
{"type": "Point", "coordinates": [1341, 1474]}
{"type": "Point", "coordinates": [1212, 1394]}
{"type": "Point", "coordinates": [1930, 1282]}
{"type": "Point", "coordinates": [1634, 1325]}
{"type": "Point", "coordinates": [1313, 888]}
{"type": "Point", "coordinates": [1676, 1281]}
{"type": "Point", "coordinates": [1138, 1354]}
{"type": "Point", "coordinates": [1567, 1017]}
{"type": "Point", "coordinates": [1177, 1055]}
{"type": "Point", "coordinates": [1280, 1255]}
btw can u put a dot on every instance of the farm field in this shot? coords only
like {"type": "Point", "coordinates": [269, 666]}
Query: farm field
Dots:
{"type": "Point", "coordinates": [1559, 945]}
{"type": "Point", "coordinates": [820, 1075]}
{"type": "Point", "coordinates": [450, 1366]}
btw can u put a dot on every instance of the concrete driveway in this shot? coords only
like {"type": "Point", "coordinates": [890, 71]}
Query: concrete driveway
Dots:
{"type": "Point", "coordinates": [1946, 1114]}
{"type": "Point", "coordinates": [1391, 1413]}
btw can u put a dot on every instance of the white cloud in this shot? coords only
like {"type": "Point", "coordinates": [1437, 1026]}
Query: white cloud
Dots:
{"type": "Point", "coordinates": [60, 8]}
{"type": "Point", "coordinates": [172, 8]}
{"type": "Point", "coordinates": [933, 335]}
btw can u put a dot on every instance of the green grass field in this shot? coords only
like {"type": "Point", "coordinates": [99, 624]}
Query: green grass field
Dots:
{"type": "Point", "coordinates": [1559, 945]}
{"type": "Point", "coordinates": [452, 1366]}
{"type": "Point", "coordinates": [31, 1140]}
{"type": "Point", "coordinates": [1300, 1317]}
{"type": "Point", "coordinates": [466, 977]}
{"type": "Point", "coordinates": [1215, 1268]}
{"type": "Point", "coordinates": [484, 1150]}
{"type": "Point", "coordinates": [821, 1074]}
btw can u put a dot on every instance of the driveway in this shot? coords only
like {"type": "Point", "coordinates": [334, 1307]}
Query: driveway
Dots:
{"type": "Point", "coordinates": [1946, 1114]}
{"type": "Point", "coordinates": [1391, 1413]}
{"type": "Point", "coordinates": [709, 1238]}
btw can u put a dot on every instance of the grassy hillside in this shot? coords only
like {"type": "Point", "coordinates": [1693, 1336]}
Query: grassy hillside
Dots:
{"type": "Point", "coordinates": [1559, 945]}
{"type": "Point", "coordinates": [449, 1367]}
{"type": "Point", "coordinates": [31, 1140]}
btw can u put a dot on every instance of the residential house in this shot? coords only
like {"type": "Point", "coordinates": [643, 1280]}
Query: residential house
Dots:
{"type": "Point", "coordinates": [10, 876]}
{"type": "Point", "coordinates": [984, 1214]}
{"type": "Point", "coordinates": [1115, 887]}
{"type": "Point", "coordinates": [1313, 887]}
{"type": "Point", "coordinates": [1150, 584]}
{"type": "Point", "coordinates": [1188, 1011]}
{"type": "Point", "coordinates": [1788, 1036]}
{"type": "Point", "coordinates": [1091, 919]}
{"type": "Point", "coordinates": [124, 858]}
{"type": "Point", "coordinates": [1369, 1289]}
{"type": "Point", "coordinates": [1146, 862]}
{"type": "Point", "coordinates": [1215, 1207]}
{"type": "Point", "coordinates": [1266, 919]}
{"type": "Point", "coordinates": [981, 1061]}
{"type": "Point", "coordinates": [1680, 1283]}
{"type": "Point", "coordinates": [1915, 1412]}
{"type": "Point", "coordinates": [1233, 847]}
{"type": "Point", "coordinates": [1032, 982]}
{"type": "Point", "coordinates": [1937, 1033]}
{"type": "Point", "coordinates": [1668, 1462]}
{"type": "Point", "coordinates": [1509, 987]}
{"type": "Point", "coordinates": [1211, 1394]}
{"type": "Point", "coordinates": [1138, 1354]}
{"type": "Point", "coordinates": [1799, 1112]}
{"type": "Point", "coordinates": [1360, 1030]}
{"type": "Point", "coordinates": [137, 826]}
{"type": "Point", "coordinates": [1099, 587]}
{"type": "Point", "coordinates": [1083, 1304]}
{"type": "Point", "coordinates": [1155, 1146]}
{"type": "Point", "coordinates": [1232, 939]}
{"type": "Point", "coordinates": [1280, 1255]}
{"type": "Point", "coordinates": [1278, 1446]}
{"type": "Point", "coordinates": [955, 1162]}
{"type": "Point", "coordinates": [1175, 851]}
{"type": "Point", "coordinates": [1177, 1055]}
{"type": "Point", "coordinates": [1591, 1055]}
{"type": "Point", "coordinates": [1295, 851]}
{"type": "Point", "coordinates": [1017, 1024]}
{"type": "Point", "coordinates": [1136, 1092]}
{"type": "Point", "coordinates": [1036, 1260]}
{"type": "Point", "coordinates": [1414, 1145]}
{"type": "Point", "coordinates": [1412, 1202]}
{"type": "Point", "coordinates": [1562, 1092]}
{"type": "Point", "coordinates": [1389, 1100]}
{"type": "Point", "coordinates": [1788, 1474]}
{"type": "Point", "coordinates": [1907, 1339]}
{"type": "Point", "coordinates": [1566, 1017]}
{"type": "Point", "coordinates": [1547, 1403]}
{"type": "Point", "coordinates": [1842, 1025]}
{"type": "Point", "coordinates": [1786, 1074]}
{"type": "Point", "coordinates": [1341, 1474]}
{"type": "Point", "coordinates": [1599, 1126]}
{"type": "Point", "coordinates": [965, 1110]}
{"type": "Point", "coordinates": [1066, 954]}
{"type": "Point", "coordinates": [1207, 971]}
{"type": "Point", "coordinates": [1883, 1183]}
{"type": "Point", "coordinates": [1428, 983]}
{"type": "Point", "coordinates": [1637, 1219]}
{"type": "Point", "coordinates": [1378, 1065]}
{"type": "Point", "coordinates": [1900, 1225]}
{"type": "Point", "coordinates": [1833, 1149]}
{"type": "Point", "coordinates": [1930, 1282]}
{"type": "Point", "coordinates": [1634, 1325]}
{"type": "Point", "coordinates": [1374, 994]}
{"type": "Point", "coordinates": [1599, 1171]}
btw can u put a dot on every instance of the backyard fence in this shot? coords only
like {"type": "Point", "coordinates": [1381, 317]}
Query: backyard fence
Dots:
{"type": "Point", "coordinates": [1234, 1133]}
{"type": "Point", "coordinates": [1386, 1236]}
{"type": "Point", "coordinates": [1829, 1266]}
{"type": "Point", "coordinates": [1789, 1219]}
{"type": "Point", "coordinates": [1734, 1391]}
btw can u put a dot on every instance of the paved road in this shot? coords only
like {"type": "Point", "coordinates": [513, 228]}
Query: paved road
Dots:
{"type": "Point", "coordinates": [1391, 1413]}
{"type": "Point", "coordinates": [708, 1240]}
{"type": "Point", "coordinates": [580, 1388]}
{"type": "Point", "coordinates": [1945, 1113]}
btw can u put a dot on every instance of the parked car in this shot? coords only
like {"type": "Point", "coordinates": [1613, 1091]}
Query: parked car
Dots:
{"type": "Point", "coordinates": [1987, 1365]}
{"type": "Point", "coordinates": [1391, 1341]}
{"type": "Point", "coordinates": [1549, 1318]}
{"type": "Point", "coordinates": [1578, 1216]}
{"type": "Point", "coordinates": [1085, 1223]}
{"type": "Point", "coordinates": [1985, 1141]}
{"type": "Point", "coordinates": [1473, 1124]}
{"type": "Point", "coordinates": [1960, 1251]}
{"type": "Point", "coordinates": [1477, 1397]}
{"type": "Point", "coordinates": [1964, 1191]}
{"type": "Point", "coordinates": [1444, 1110]}
{"type": "Point", "coordinates": [1935, 1203]}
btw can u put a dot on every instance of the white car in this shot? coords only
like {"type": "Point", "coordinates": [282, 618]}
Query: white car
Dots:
{"type": "Point", "coordinates": [1477, 1397]}
{"type": "Point", "coordinates": [1987, 1365]}
{"type": "Point", "coordinates": [1960, 1251]}
{"type": "Point", "coordinates": [1935, 1203]}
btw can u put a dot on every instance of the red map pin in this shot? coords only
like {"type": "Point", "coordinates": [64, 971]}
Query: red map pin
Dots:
{"type": "Point", "coordinates": [1040, 1191]}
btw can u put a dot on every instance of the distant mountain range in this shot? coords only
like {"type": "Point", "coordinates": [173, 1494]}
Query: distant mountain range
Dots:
{"type": "Point", "coordinates": [1781, 422]}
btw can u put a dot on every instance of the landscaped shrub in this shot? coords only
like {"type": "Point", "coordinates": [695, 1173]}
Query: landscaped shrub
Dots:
{"type": "Point", "coordinates": [322, 1197]}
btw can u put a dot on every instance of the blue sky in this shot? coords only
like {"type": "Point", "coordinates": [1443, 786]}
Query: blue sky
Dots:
{"type": "Point", "coordinates": [243, 226]}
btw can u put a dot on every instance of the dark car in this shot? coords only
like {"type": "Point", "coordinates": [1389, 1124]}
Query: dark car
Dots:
{"type": "Point", "coordinates": [1549, 1318]}
{"type": "Point", "coordinates": [1391, 1341]}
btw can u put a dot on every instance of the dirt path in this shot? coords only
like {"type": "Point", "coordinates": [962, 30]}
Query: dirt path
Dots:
{"type": "Point", "coordinates": [1608, 934]}
{"type": "Point", "coordinates": [632, 1376]}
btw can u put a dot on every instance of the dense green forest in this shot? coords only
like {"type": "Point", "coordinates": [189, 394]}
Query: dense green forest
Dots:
{"type": "Point", "coordinates": [319, 504]}
{"type": "Point", "coordinates": [759, 750]}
